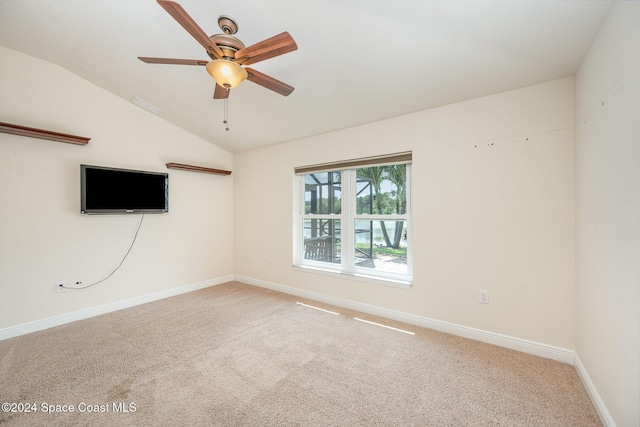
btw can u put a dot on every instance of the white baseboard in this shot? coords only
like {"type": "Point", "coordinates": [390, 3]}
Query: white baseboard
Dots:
{"type": "Point", "coordinates": [50, 322]}
{"type": "Point", "coordinates": [531, 347]}
{"type": "Point", "coordinates": [597, 401]}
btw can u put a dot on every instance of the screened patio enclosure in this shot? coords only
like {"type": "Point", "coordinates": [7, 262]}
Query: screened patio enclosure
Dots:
{"type": "Point", "coordinates": [322, 235]}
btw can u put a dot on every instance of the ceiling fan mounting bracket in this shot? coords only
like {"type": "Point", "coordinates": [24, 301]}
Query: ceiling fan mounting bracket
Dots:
{"type": "Point", "coordinates": [227, 24]}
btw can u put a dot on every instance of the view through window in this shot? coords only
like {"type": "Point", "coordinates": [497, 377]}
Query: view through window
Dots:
{"type": "Point", "coordinates": [356, 221]}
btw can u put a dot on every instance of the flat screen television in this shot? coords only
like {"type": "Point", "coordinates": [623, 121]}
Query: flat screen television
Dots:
{"type": "Point", "coordinates": [107, 190]}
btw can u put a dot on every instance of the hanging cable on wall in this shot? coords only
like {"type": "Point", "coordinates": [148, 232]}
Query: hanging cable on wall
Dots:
{"type": "Point", "coordinates": [114, 270]}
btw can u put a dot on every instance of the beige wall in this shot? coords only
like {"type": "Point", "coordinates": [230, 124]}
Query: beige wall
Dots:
{"type": "Point", "coordinates": [608, 213]}
{"type": "Point", "coordinates": [43, 236]}
{"type": "Point", "coordinates": [493, 208]}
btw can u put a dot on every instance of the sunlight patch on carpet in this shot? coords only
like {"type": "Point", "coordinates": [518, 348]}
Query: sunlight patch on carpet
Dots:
{"type": "Point", "coordinates": [318, 308]}
{"type": "Point", "coordinates": [385, 326]}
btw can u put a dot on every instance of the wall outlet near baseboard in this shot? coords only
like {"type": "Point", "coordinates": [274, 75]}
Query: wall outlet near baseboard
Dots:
{"type": "Point", "coordinates": [483, 297]}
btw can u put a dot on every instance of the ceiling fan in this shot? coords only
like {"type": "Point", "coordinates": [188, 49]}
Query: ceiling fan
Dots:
{"type": "Point", "coordinates": [228, 54]}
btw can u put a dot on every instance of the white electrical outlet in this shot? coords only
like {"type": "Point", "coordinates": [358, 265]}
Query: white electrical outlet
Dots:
{"type": "Point", "coordinates": [194, 263]}
{"type": "Point", "coordinates": [483, 297]}
{"type": "Point", "coordinates": [270, 264]}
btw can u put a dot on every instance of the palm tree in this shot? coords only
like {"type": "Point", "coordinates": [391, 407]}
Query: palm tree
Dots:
{"type": "Point", "coordinates": [377, 174]}
{"type": "Point", "coordinates": [397, 174]}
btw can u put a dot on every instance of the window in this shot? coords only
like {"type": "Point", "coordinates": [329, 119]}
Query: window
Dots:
{"type": "Point", "coordinates": [353, 218]}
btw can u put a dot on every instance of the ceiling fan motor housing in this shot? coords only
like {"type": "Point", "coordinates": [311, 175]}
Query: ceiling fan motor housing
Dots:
{"type": "Point", "coordinates": [228, 44]}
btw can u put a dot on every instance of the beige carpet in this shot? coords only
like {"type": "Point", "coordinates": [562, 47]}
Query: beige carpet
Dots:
{"type": "Point", "coordinates": [237, 355]}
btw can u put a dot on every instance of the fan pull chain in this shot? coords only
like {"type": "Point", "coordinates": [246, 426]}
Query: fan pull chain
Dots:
{"type": "Point", "coordinates": [226, 114]}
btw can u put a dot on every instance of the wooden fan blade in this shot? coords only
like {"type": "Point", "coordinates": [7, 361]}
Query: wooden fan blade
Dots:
{"type": "Point", "coordinates": [274, 46]}
{"type": "Point", "coordinates": [220, 92]}
{"type": "Point", "coordinates": [183, 18]}
{"type": "Point", "coordinates": [172, 61]}
{"type": "Point", "coordinates": [269, 82]}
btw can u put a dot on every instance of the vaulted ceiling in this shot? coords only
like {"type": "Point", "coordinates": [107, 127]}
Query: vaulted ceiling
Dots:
{"type": "Point", "coordinates": [358, 61]}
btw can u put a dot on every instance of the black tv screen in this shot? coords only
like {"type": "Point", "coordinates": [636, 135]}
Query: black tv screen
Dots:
{"type": "Point", "coordinates": [122, 191]}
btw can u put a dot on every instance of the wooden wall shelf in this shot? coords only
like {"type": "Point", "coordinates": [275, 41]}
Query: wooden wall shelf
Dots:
{"type": "Point", "coordinates": [191, 168]}
{"type": "Point", "coordinates": [42, 134]}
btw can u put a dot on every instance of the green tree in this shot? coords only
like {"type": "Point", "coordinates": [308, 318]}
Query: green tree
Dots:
{"type": "Point", "coordinates": [397, 174]}
{"type": "Point", "coordinates": [376, 174]}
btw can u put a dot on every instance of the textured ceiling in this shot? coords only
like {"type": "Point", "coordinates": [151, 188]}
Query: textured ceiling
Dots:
{"type": "Point", "coordinates": [358, 61]}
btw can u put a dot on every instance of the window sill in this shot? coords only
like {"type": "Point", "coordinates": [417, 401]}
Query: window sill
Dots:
{"type": "Point", "coordinates": [402, 284]}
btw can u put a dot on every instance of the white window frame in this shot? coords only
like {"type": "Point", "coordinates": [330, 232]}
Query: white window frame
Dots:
{"type": "Point", "coordinates": [347, 218]}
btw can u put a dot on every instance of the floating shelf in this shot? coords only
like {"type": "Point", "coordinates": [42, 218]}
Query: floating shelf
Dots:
{"type": "Point", "coordinates": [191, 168]}
{"type": "Point", "coordinates": [42, 134]}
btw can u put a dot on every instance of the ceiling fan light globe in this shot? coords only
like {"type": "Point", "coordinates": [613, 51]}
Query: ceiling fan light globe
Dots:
{"type": "Point", "coordinates": [226, 73]}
